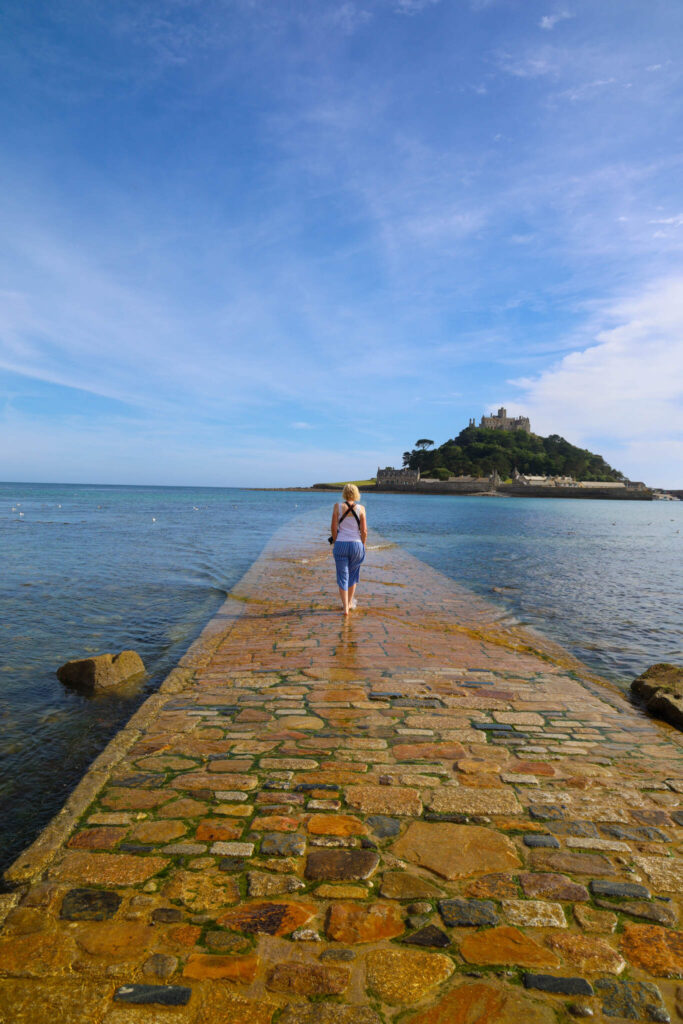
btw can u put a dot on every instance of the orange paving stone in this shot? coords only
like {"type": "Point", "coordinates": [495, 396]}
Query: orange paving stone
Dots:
{"type": "Point", "coordinates": [320, 786]}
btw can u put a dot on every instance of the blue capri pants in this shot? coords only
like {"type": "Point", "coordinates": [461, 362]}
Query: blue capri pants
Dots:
{"type": "Point", "coordinates": [349, 556]}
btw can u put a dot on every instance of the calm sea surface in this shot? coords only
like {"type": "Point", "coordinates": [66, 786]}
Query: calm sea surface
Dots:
{"type": "Point", "coordinates": [86, 569]}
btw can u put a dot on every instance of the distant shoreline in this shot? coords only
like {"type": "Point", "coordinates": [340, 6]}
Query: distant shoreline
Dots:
{"type": "Point", "coordinates": [504, 491]}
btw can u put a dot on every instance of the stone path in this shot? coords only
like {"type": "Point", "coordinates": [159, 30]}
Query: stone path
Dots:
{"type": "Point", "coordinates": [422, 814]}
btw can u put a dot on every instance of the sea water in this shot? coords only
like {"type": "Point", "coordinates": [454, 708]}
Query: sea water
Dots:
{"type": "Point", "coordinates": [87, 569]}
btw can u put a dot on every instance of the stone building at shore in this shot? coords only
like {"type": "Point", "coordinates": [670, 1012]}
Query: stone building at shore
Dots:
{"type": "Point", "coordinates": [390, 477]}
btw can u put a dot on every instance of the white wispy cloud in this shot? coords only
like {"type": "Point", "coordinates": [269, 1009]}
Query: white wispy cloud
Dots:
{"type": "Point", "coordinates": [624, 387]}
{"type": "Point", "coordinates": [549, 21]}
{"type": "Point", "coordinates": [413, 6]}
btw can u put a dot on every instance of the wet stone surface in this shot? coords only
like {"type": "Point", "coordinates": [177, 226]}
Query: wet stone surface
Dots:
{"type": "Point", "coordinates": [161, 995]}
{"type": "Point", "coordinates": [467, 913]}
{"type": "Point", "coordinates": [89, 905]}
{"type": "Point", "coordinates": [391, 818]}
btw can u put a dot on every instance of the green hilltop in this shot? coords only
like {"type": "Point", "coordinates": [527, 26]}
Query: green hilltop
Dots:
{"type": "Point", "coordinates": [478, 451]}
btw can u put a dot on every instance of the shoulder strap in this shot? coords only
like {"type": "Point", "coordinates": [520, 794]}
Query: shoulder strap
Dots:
{"type": "Point", "coordinates": [352, 510]}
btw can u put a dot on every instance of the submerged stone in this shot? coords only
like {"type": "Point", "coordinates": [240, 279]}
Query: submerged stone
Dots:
{"type": "Point", "coordinates": [89, 905]}
{"type": "Point", "coordinates": [161, 995]}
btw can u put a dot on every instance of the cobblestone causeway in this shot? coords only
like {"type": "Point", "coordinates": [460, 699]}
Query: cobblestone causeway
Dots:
{"type": "Point", "coordinates": [422, 814]}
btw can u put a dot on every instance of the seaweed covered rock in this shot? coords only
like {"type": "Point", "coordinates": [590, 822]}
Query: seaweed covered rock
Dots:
{"type": "Point", "coordinates": [101, 672]}
{"type": "Point", "coordinates": [660, 687]}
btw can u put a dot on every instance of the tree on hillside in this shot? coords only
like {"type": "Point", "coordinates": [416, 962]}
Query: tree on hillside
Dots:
{"type": "Point", "coordinates": [477, 451]}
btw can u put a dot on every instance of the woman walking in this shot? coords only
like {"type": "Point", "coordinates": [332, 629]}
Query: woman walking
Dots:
{"type": "Point", "coordinates": [350, 532]}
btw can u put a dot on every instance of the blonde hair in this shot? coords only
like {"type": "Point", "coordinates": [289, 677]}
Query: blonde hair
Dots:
{"type": "Point", "coordinates": [350, 493]}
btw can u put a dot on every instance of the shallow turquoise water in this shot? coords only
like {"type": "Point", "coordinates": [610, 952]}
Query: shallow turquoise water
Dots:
{"type": "Point", "coordinates": [87, 569]}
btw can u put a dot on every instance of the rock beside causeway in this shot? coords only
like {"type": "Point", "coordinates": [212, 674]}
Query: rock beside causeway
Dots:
{"type": "Point", "coordinates": [101, 672]}
{"type": "Point", "coordinates": [661, 689]}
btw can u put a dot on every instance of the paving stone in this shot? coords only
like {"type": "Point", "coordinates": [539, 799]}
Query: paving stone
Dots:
{"type": "Point", "coordinates": [103, 838]}
{"type": "Point", "coordinates": [384, 800]}
{"type": "Point", "coordinates": [545, 812]}
{"type": "Point", "coordinates": [341, 892]}
{"type": "Point", "coordinates": [122, 798]}
{"type": "Point", "coordinates": [534, 914]}
{"type": "Point", "coordinates": [307, 979]}
{"type": "Point", "coordinates": [283, 844]}
{"type": "Point", "coordinates": [558, 985]}
{"type": "Point", "coordinates": [660, 913]}
{"type": "Point", "coordinates": [642, 833]}
{"type": "Point", "coordinates": [505, 945]}
{"type": "Point", "coordinates": [163, 995]}
{"type": "Point", "coordinates": [572, 828]}
{"type": "Point", "coordinates": [595, 920]}
{"type": "Point", "coordinates": [336, 825]}
{"type": "Point", "coordinates": [630, 1000]}
{"type": "Point", "coordinates": [535, 840]}
{"type": "Point", "coordinates": [405, 976]}
{"type": "Point", "coordinates": [467, 913]}
{"type": "Point", "coordinates": [268, 918]}
{"type": "Point", "coordinates": [340, 865]}
{"type": "Point", "coordinates": [468, 801]}
{"type": "Point", "coordinates": [212, 830]}
{"type": "Point", "coordinates": [160, 965]}
{"type": "Point", "coordinates": [115, 938]}
{"type": "Point", "coordinates": [656, 950]}
{"type": "Point", "coordinates": [36, 955]}
{"type": "Point", "coordinates": [230, 795]}
{"type": "Point", "coordinates": [351, 923]}
{"type": "Point", "coordinates": [227, 942]}
{"type": "Point", "coordinates": [89, 905]}
{"type": "Point", "coordinates": [430, 935]}
{"type": "Point", "coordinates": [184, 849]}
{"type": "Point", "coordinates": [519, 780]}
{"type": "Point", "coordinates": [624, 890]}
{"type": "Point", "coordinates": [201, 966]}
{"type": "Point", "coordinates": [259, 883]}
{"type": "Point", "coordinates": [167, 915]}
{"type": "Point", "coordinates": [665, 873]}
{"type": "Point", "coordinates": [338, 954]}
{"type": "Point", "coordinates": [572, 863]}
{"type": "Point", "coordinates": [233, 849]}
{"type": "Point", "coordinates": [591, 955]}
{"type": "Point", "coordinates": [201, 891]}
{"type": "Point", "coordinates": [158, 831]}
{"type": "Point", "coordinates": [399, 885]}
{"type": "Point", "coordinates": [107, 868]}
{"type": "Point", "coordinates": [474, 766]}
{"type": "Point", "coordinates": [484, 1003]}
{"type": "Point", "coordinates": [495, 886]}
{"type": "Point", "coordinates": [456, 851]}
{"type": "Point", "coordinates": [612, 845]}
{"type": "Point", "coordinates": [186, 807]}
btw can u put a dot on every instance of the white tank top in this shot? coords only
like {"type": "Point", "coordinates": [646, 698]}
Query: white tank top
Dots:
{"type": "Point", "coordinates": [349, 529]}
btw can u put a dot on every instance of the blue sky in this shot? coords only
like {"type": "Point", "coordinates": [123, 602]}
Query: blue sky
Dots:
{"type": "Point", "coordinates": [250, 241]}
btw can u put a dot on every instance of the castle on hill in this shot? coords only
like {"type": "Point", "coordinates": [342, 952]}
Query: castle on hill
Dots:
{"type": "Point", "coordinates": [501, 421]}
